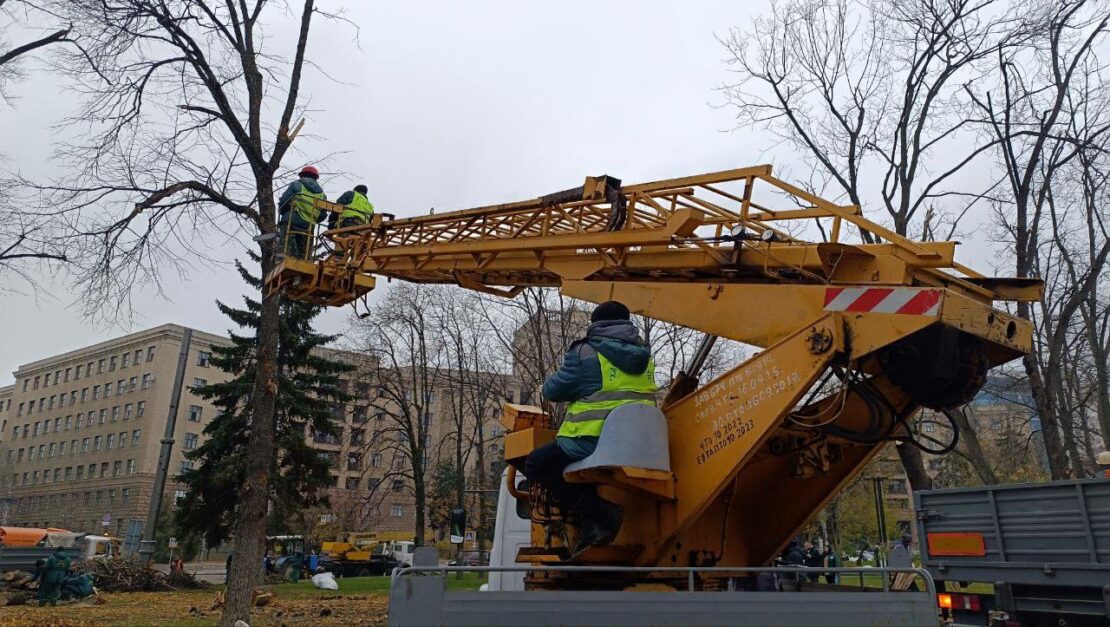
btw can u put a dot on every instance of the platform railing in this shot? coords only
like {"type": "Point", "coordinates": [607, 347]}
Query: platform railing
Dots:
{"type": "Point", "coordinates": [690, 572]}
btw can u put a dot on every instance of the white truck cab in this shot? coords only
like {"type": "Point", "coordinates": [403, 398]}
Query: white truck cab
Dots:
{"type": "Point", "coordinates": [99, 547]}
{"type": "Point", "coordinates": [402, 551]}
{"type": "Point", "coordinates": [512, 530]}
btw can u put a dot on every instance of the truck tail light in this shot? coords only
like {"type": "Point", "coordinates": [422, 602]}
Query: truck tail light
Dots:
{"type": "Point", "coordinates": [952, 601]}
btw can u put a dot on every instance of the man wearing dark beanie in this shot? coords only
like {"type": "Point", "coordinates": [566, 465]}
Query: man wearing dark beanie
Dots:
{"type": "Point", "coordinates": [610, 367]}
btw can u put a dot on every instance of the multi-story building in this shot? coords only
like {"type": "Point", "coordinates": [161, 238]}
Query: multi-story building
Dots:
{"type": "Point", "coordinates": [80, 433]}
{"type": "Point", "coordinates": [82, 430]}
{"type": "Point", "coordinates": [372, 487]}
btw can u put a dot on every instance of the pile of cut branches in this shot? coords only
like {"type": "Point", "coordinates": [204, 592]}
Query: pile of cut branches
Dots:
{"type": "Point", "coordinates": [117, 575]}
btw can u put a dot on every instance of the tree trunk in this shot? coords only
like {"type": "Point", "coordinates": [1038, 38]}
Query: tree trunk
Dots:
{"type": "Point", "coordinates": [1068, 424]}
{"type": "Point", "coordinates": [250, 528]}
{"type": "Point", "coordinates": [1102, 368]}
{"type": "Point", "coordinates": [479, 529]}
{"type": "Point", "coordinates": [1054, 449]}
{"type": "Point", "coordinates": [972, 448]}
{"type": "Point", "coordinates": [421, 501]}
{"type": "Point", "coordinates": [914, 466]}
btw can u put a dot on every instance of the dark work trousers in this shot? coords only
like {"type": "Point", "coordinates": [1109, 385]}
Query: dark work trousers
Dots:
{"type": "Point", "coordinates": [296, 232]}
{"type": "Point", "coordinates": [545, 466]}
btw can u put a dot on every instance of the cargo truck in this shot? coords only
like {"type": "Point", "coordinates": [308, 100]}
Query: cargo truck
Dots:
{"type": "Point", "coordinates": [1024, 555]}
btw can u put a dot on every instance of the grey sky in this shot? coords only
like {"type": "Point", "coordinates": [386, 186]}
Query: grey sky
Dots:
{"type": "Point", "coordinates": [450, 105]}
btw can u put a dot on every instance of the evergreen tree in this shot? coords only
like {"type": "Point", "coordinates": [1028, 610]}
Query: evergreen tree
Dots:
{"type": "Point", "coordinates": [308, 391]}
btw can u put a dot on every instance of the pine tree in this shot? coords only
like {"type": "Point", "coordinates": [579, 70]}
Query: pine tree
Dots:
{"type": "Point", "coordinates": [308, 391]}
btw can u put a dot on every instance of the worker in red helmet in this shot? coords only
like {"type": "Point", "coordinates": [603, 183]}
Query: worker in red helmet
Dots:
{"type": "Point", "coordinates": [297, 215]}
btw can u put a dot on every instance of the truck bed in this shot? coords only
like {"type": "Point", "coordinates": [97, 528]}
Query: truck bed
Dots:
{"type": "Point", "coordinates": [1055, 533]}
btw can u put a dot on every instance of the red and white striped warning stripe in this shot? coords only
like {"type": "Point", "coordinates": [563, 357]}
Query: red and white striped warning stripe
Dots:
{"type": "Point", "coordinates": [895, 300]}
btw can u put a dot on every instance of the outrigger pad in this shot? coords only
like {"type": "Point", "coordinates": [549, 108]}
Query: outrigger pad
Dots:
{"type": "Point", "coordinates": [634, 437]}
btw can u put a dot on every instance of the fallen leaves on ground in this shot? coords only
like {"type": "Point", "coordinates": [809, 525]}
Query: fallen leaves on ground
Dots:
{"type": "Point", "coordinates": [189, 608]}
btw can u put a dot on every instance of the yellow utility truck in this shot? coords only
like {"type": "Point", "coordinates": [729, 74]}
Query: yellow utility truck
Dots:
{"type": "Point", "coordinates": [859, 329]}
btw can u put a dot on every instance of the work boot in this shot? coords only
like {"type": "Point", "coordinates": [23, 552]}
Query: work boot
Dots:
{"type": "Point", "coordinates": [598, 522]}
{"type": "Point", "coordinates": [609, 516]}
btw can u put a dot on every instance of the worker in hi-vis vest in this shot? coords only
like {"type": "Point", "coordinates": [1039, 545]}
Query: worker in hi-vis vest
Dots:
{"type": "Point", "coordinates": [297, 213]}
{"type": "Point", "coordinates": [357, 210]}
{"type": "Point", "coordinates": [610, 367]}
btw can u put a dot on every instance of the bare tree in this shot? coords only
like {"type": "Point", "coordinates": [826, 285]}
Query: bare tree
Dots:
{"type": "Point", "coordinates": [410, 362]}
{"type": "Point", "coordinates": [534, 329]}
{"type": "Point", "coordinates": [1042, 89]}
{"type": "Point", "coordinates": [26, 15]}
{"type": "Point", "coordinates": [475, 385]}
{"type": "Point", "coordinates": [23, 240]}
{"type": "Point", "coordinates": [187, 115]}
{"type": "Point", "coordinates": [878, 90]}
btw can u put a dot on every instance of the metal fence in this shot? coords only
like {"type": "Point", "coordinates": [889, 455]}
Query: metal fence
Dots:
{"type": "Point", "coordinates": [419, 596]}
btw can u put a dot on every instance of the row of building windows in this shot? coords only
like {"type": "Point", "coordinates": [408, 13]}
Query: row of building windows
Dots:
{"type": "Point", "coordinates": [59, 475]}
{"type": "Point", "coordinates": [83, 420]}
{"type": "Point", "coordinates": [123, 386]}
{"type": "Point", "coordinates": [54, 502]}
{"type": "Point", "coordinates": [46, 451]}
{"type": "Point", "coordinates": [108, 364]}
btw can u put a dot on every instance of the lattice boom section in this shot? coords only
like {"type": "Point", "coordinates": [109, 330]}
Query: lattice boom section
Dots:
{"type": "Point", "coordinates": [720, 202]}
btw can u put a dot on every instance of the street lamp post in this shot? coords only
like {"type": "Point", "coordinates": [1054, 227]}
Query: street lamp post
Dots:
{"type": "Point", "coordinates": [880, 519]}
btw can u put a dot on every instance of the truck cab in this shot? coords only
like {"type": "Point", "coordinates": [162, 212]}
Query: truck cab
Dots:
{"type": "Point", "coordinates": [99, 547]}
{"type": "Point", "coordinates": [402, 551]}
{"type": "Point", "coordinates": [512, 530]}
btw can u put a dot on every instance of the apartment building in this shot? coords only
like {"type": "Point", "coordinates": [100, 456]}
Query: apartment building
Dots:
{"type": "Point", "coordinates": [81, 431]}
{"type": "Point", "coordinates": [80, 434]}
{"type": "Point", "coordinates": [370, 466]}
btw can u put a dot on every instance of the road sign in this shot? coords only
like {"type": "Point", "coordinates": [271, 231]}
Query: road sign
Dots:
{"type": "Point", "coordinates": [469, 536]}
{"type": "Point", "coordinates": [172, 543]}
{"type": "Point", "coordinates": [106, 520]}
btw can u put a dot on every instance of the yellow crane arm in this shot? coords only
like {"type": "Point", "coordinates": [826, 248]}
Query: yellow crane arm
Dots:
{"type": "Point", "coordinates": [855, 336]}
{"type": "Point", "coordinates": [700, 229]}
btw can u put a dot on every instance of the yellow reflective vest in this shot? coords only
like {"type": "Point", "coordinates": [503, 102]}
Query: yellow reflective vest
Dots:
{"type": "Point", "coordinates": [586, 417]}
{"type": "Point", "coordinates": [359, 208]}
{"type": "Point", "coordinates": [303, 203]}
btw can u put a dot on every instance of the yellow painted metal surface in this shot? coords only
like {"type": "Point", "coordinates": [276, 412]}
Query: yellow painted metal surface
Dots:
{"type": "Point", "coordinates": [751, 460]}
{"type": "Point", "coordinates": [519, 443]}
{"type": "Point", "coordinates": [714, 431]}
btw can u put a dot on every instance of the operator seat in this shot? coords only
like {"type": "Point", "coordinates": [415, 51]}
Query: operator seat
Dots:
{"type": "Point", "coordinates": [631, 454]}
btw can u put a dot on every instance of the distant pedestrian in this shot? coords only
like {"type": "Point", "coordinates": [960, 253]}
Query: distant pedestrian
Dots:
{"type": "Point", "coordinates": [297, 563]}
{"type": "Point", "coordinates": [812, 559]}
{"type": "Point", "coordinates": [831, 561]}
{"type": "Point", "coordinates": [792, 556]}
{"type": "Point", "coordinates": [901, 557]}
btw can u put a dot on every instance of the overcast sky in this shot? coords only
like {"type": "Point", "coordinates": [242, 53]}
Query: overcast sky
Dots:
{"type": "Point", "coordinates": [450, 105]}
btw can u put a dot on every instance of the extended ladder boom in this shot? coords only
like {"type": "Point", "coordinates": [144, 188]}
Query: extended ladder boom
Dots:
{"type": "Point", "coordinates": [857, 337]}
{"type": "Point", "coordinates": [705, 228]}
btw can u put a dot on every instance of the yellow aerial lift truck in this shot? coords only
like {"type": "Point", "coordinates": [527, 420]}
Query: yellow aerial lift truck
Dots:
{"type": "Point", "coordinates": [856, 336]}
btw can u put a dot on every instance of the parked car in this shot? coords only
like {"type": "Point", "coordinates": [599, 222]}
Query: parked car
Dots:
{"type": "Point", "coordinates": [468, 558]}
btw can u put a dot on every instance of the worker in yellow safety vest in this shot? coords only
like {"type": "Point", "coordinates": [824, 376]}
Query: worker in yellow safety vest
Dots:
{"type": "Point", "coordinates": [357, 210]}
{"type": "Point", "coordinates": [297, 212]}
{"type": "Point", "coordinates": [610, 367]}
